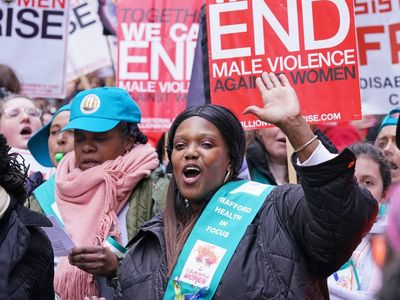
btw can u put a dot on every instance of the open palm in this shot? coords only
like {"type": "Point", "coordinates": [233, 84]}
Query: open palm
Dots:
{"type": "Point", "coordinates": [279, 98]}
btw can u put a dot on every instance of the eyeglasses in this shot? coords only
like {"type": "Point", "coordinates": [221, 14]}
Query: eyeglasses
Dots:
{"type": "Point", "coordinates": [15, 112]}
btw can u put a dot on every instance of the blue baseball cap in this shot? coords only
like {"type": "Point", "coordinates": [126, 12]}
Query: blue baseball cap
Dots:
{"type": "Point", "coordinates": [38, 143]}
{"type": "Point", "coordinates": [101, 109]}
{"type": "Point", "coordinates": [391, 118]}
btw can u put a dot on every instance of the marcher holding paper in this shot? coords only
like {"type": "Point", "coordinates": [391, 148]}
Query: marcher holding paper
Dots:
{"type": "Point", "coordinates": [104, 190]}
{"type": "Point", "coordinates": [223, 238]}
{"type": "Point", "coordinates": [26, 256]}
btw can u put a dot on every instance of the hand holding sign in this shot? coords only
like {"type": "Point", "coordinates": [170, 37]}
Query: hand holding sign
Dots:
{"type": "Point", "coordinates": [279, 98]}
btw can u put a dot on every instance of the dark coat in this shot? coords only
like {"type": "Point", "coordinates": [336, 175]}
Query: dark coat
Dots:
{"type": "Point", "coordinates": [26, 255]}
{"type": "Point", "coordinates": [301, 235]}
{"type": "Point", "coordinates": [256, 157]}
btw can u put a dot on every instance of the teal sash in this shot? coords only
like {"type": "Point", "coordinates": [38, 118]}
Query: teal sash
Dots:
{"type": "Point", "coordinates": [214, 238]}
{"type": "Point", "coordinates": [259, 177]}
{"type": "Point", "coordinates": [45, 195]}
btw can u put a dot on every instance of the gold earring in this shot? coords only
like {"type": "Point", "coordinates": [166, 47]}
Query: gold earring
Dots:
{"type": "Point", "coordinates": [227, 176]}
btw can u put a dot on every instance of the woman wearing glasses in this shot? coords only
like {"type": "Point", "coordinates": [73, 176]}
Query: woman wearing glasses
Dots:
{"type": "Point", "coordinates": [19, 120]}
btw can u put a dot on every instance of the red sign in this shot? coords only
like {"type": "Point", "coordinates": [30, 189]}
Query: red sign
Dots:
{"type": "Point", "coordinates": [313, 42]}
{"type": "Point", "coordinates": [156, 42]}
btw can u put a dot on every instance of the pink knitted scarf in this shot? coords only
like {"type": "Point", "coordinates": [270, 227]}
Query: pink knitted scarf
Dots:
{"type": "Point", "coordinates": [89, 202]}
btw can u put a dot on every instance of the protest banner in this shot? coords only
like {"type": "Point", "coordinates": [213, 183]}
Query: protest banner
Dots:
{"type": "Point", "coordinates": [87, 46]}
{"type": "Point", "coordinates": [33, 37]}
{"type": "Point", "coordinates": [378, 35]}
{"type": "Point", "coordinates": [312, 42]}
{"type": "Point", "coordinates": [156, 42]}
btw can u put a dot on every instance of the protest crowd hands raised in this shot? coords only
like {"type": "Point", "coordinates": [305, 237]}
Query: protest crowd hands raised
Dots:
{"type": "Point", "coordinates": [281, 107]}
{"type": "Point", "coordinates": [206, 160]}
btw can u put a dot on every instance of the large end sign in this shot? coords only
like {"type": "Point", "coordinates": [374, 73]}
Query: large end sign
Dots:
{"type": "Point", "coordinates": [313, 42]}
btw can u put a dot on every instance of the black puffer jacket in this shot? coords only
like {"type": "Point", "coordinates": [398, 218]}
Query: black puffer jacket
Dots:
{"type": "Point", "coordinates": [300, 236]}
{"type": "Point", "coordinates": [26, 255]}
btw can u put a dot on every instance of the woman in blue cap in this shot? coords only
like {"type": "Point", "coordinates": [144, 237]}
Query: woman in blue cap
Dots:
{"type": "Point", "coordinates": [104, 189]}
{"type": "Point", "coordinates": [48, 146]}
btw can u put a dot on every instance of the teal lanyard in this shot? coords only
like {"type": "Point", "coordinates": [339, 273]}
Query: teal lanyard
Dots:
{"type": "Point", "coordinates": [214, 239]}
{"type": "Point", "coordinates": [45, 195]}
{"type": "Point", "coordinates": [350, 264]}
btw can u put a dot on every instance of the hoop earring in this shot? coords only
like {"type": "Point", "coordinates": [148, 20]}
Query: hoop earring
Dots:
{"type": "Point", "coordinates": [227, 176]}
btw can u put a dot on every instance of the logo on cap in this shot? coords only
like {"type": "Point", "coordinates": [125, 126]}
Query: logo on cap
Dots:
{"type": "Point", "coordinates": [90, 104]}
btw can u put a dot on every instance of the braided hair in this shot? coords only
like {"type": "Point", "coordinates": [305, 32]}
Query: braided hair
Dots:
{"type": "Point", "coordinates": [12, 173]}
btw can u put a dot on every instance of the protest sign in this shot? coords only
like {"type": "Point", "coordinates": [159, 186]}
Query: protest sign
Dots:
{"type": "Point", "coordinates": [33, 38]}
{"type": "Point", "coordinates": [87, 46]}
{"type": "Point", "coordinates": [312, 42]}
{"type": "Point", "coordinates": [378, 35]}
{"type": "Point", "coordinates": [156, 42]}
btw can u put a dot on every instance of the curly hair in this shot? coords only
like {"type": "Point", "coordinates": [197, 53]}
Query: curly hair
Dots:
{"type": "Point", "coordinates": [12, 173]}
{"type": "Point", "coordinates": [132, 130]}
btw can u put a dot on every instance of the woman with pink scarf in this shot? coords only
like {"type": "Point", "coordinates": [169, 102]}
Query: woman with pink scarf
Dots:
{"type": "Point", "coordinates": [105, 188]}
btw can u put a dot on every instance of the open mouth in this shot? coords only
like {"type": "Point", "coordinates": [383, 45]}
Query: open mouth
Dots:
{"type": "Point", "coordinates": [26, 131]}
{"type": "Point", "coordinates": [191, 174]}
{"type": "Point", "coordinates": [393, 166]}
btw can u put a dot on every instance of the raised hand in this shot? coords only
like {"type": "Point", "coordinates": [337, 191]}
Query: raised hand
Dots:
{"type": "Point", "coordinates": [282, 108]}
{"type": "Point", "coordinates": [280, 99]}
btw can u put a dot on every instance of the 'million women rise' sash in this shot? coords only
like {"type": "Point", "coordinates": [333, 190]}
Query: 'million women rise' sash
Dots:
{"type": "Point", "coordinates": [214, 238]}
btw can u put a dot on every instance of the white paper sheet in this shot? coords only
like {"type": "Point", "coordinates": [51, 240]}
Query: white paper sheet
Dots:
{"type": "Point", "coordinates": [60, 240]}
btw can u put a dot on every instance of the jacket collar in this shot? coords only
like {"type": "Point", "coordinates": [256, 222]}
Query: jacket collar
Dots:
{"type": "Point", "coordinates": [31, 218]}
